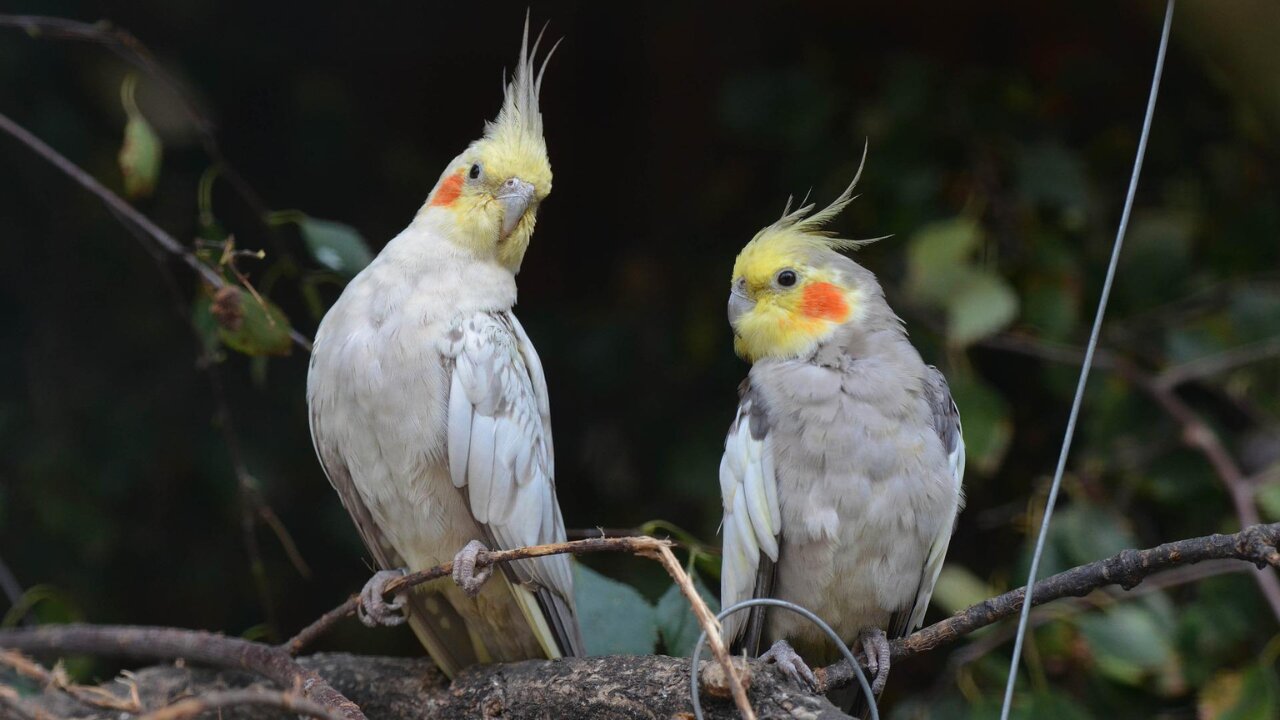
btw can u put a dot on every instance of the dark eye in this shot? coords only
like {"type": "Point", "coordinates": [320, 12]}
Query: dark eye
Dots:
{"type": "Point", "coordinates": [787, 278]}
{"type": "Point", "coordinates": [475, 172]}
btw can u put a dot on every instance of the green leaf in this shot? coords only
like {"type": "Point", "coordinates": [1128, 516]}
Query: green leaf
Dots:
{"type": "Point", "coordinates": [335, 245]}
{"type": "Point", "coordinates": [1050, 308]}
{"type": "Point", "coordinates": [980, 305]}
{"type": "Point", "coordinates": [616, 619]}
{"type": "Point", "coordinates": [1129, 643]}
{"type": "Point", "coordinates": [937, 259]}
{"type": "Point", "coordinates": [985, 417]}
{"type": "Point", "coordinates": [958, 588]}
{"type": "Point", "coordinates": [1250, 695]}
{"type": "Point", "coordinates": [1085, 532]}
{"type": "Point", "coordinates": [141, 151]}
{"type": "Point", "coordinates": [1269, 500]}
{"type": "Point", "coordinates": [676, 623]}
{"type": "Point", "coordinates": [249, 326]}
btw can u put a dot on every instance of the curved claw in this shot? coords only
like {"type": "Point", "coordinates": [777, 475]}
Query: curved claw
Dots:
{"type": "Point", "coordinates": [791, 664]}
{"type": "Point", "coordinates": [372, 609]}
{"type": "Point", "coordinates": [465, 573]}
{"type": "Point", "coordinates": [875, 647]}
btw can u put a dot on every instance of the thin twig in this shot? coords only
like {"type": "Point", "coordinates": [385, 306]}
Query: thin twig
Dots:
{"type": "Point", "coordinates": [643, 546]}
{"type": "Point", "coordinates": [153, 643]}
{"type": "Point", "coordinates": [1255, 544]}
{"type": "Point", "coordinates": [13, 707]}
{"type": "Point", "coordinates": [1196, 433]}
{"type": "Point", "coordinates": [218, 700]}
{"type": "Point", "coordinates": [126, 46]}
{"type": "Point", "coordinates": [1157, 583]}
{"type": "Point", "coordinates": [1218, 363]}
{"type": "Point", "coordinates": [636, 545]}
{"type": "Point", "coordinates": [710, 626]}
{"type": "Point", "coordinates": [57, 678]}
{"type": "Point", "coordinates": [126, 211]}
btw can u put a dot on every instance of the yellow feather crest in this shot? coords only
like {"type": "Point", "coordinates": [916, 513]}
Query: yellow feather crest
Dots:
{"type": "Point", "coordinates": [518, 126]}
{"type": "Point", "coordinates": [802, 229]}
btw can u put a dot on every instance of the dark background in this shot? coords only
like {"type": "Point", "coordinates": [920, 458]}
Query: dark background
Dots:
{"type": "Point", "coordinates": [675, 132]}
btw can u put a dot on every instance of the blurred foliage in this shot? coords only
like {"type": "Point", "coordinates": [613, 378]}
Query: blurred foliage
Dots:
{"type": "Point", "coordinates": [1000, 139]}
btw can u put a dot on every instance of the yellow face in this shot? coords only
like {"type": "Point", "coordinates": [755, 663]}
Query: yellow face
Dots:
{"type": "Point", "coordinates": [492, 192]}
{"type": "Point", "coordinates": [782, 303]}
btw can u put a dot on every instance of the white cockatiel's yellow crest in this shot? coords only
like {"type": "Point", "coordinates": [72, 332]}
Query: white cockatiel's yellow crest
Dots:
{"type": "Point", "coordinates": [487, 199]}
{"type": "Point", "coordinates": [786, 295]}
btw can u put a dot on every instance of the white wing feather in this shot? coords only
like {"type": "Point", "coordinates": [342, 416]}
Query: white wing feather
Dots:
{"type": "Point", "coordinates": [500, 451]}
{"type": "Point", "coordinates": [752, 518]}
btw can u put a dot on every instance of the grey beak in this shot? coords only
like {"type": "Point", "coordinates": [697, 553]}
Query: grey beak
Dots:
{"type": "Point", "coordinates": [515, 197]}
{"type": "Point", "coordinates": [738, 304]}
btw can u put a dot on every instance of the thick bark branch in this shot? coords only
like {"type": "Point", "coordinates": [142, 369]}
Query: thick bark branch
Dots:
{"type": "Point", "coordinates": [412, 689]}
{"type": "Point", "coordinates": [150, 643]}
{"type": "Point", "coordinates": [639, 686]}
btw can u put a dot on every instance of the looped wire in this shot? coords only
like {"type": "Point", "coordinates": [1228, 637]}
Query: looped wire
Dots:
{"type": "Point", "coordinates": [807, 614]}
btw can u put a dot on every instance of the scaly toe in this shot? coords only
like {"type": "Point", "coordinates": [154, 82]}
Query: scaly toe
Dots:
{"type": "Point", "coordinates": [790, 663]}
{"type": "Point", "coordinates": [465, 573]}
{"type": "Point", "coordinates": [875, 645]}
{"type": "Point", "coordinates": [372, 609]}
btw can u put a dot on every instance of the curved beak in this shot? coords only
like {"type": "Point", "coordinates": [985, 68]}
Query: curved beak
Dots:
{"type": "Point", "coordinates": [739, 303]}
{"type": "Point", "coordinates": [515, 197]}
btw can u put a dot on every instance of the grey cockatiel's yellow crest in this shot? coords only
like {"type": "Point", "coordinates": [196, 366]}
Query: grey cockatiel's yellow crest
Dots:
{"type": "Point", "coordinates": [841, 476]}
{"type": "Point", "coordinates": [429, 407]}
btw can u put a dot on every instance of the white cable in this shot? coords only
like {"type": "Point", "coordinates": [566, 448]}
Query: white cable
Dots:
{"type": "Point", "coordinates": [1088, 362]}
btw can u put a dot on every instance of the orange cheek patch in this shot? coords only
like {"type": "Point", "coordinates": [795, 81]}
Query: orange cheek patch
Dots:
{"type": "Point", "coordinates": [449, 191]}
{"type": "Point", "coordinates": [824, 301]}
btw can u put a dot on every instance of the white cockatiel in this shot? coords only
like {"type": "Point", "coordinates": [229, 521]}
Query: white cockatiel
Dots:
{"type": "Point", "coordinates": [429, 407]}
{"type": "Point", "coordinates": [841, 475]}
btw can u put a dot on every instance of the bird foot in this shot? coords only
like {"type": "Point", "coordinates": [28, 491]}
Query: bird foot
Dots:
{"type": "Point", "coordinates": [372, 609]}
{"type": "Point", "coordinates": [875, 646]}
{"type": "Point", "coordinates": [790, 663]}
{"type": "Point", "coordinates": [465, 573]}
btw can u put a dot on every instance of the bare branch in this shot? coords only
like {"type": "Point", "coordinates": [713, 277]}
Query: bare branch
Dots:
{"type": "Point", "coordinates": [710, 626]}
{"type": "Point", "coordinates": [1221, 362]}
{"type": "Point", "coordinates": [218, 700]}
{"type": "Point", "coordinates": [1255, 544]}
{"type": "Point", "coordinates": [131, 50]}
{"type": "Point", "coordinates": [632, 545]}
{"type": "Point", "coordinates": [152, 643]}
{"type": "Point", "coordinates": [57, 678]}
{"type": "Point", "coordinates": [127, 212]}
{"type": "Point", "coordinates": [1196, 433]}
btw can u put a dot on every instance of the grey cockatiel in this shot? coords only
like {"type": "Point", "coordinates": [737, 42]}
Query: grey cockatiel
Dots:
{"type": "Point", "coordinates": [429, 406]}
{"type": "Point", "coordinates": [841, 475]}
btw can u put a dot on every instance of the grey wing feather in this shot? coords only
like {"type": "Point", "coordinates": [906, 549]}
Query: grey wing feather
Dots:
{"type": "Point", "coordinates": [501, 458]}
{"type": "Point", "coordinates": [946, 422]}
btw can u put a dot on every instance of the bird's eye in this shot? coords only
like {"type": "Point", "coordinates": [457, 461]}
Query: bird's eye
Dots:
{"type": "Point", "coordinates": [475, 172]}
{"type": "Point", "coordinates": [787, 278]}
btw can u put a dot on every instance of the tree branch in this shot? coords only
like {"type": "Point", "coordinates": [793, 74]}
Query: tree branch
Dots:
{"type": "Point", "coordinates": [1255, 544]}
{"type": "Point", "coordinates": [128, 48]}
{"type": "Point", "coordinates": [1196, 433]}
{"type": "Point", "coordinates": [127, 212]}
{"type": "Point", "coordinates": [220, 699]}
{"type": "Point", "coordinates": [632, 545]}
{"type": "Point", "coordinates": [645, 685]}
{"type": "Point", "coordinates": [152, 643]}
{"type": "Point", "coordinates": [643, 546]}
